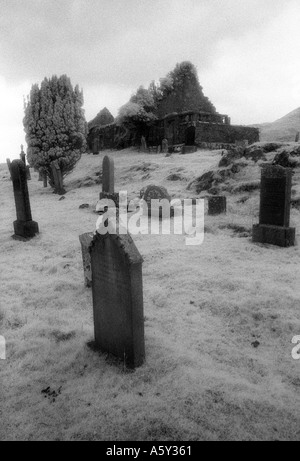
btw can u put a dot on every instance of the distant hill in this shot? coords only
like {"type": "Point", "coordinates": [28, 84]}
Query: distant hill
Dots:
{"type": "Point", "coordinates": [284, 129]}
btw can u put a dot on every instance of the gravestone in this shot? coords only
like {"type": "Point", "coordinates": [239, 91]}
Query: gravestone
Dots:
{"type": "Point", "coordinates": [108, 180]}
{"type": "Point", "coordinates": [297, 137]}
{"type": "Point", "coordinates": [144, 145]}
{"type": "Point", "coordinates": [153, 192]}
{"type": "Point", "coordinates": [9, 166]}
{"type": "Point", "coordinates": [41, 176]}
{"type": "Point", "coordinates": [274, 212]}
{"type": "Point", "coordinates": [24, 227]}
{"type": "Point", "coordinates": [216, 205]}
{"type": "Point", "coordinates": [28, 174]}
{"type": "Point", "coordinates": [45, 180]}
{"type": "Point", "coordinates": [164, 146]}
{"type": "Point", "coordinates": [85, 240]}
{"type": "Point", "coordinates": [57, 178]}
{"type": "Point", "coordinates": [117, 288]}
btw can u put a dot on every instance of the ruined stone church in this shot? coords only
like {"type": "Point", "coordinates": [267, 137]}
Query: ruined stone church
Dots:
{"type": "Point", "coordinates": [183, 115]}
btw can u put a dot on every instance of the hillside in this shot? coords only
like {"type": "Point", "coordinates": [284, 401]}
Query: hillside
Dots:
{"type": "Point", "coordinates": [282, 130]}
{"type": "Point", "coordinates": [219, 317]}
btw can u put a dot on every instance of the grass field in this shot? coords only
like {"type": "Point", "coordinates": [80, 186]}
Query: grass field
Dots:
{"type": "Point", "coordinates": [219, 319]}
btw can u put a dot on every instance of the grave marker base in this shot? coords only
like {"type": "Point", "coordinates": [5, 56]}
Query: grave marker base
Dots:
{"type": "Point", "coordinates": [275, 235]}
{"type": "Point", "coordinates": [25, 229]}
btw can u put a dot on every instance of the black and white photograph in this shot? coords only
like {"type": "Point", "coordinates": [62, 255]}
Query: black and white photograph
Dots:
{"type": "Point", "coordinates": [149, 223]}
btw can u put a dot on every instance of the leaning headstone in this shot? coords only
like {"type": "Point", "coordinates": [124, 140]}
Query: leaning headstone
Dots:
{"type": "Point", "coordinates": [108, 180]}
{"type": "Point", "coordinates": [274, 212]}
{"type": "Point", "coordinates": [216, 205]}
{"type": "Point", "coordinates": [85, 240]}
{"type": "Point", "coordinates": [24, 227]}
{"type": "Point", "coordinates": [153, 192]}
{"type": "Point", "coordinates": [117, 288]}
{"type": "Point", "coordinates": [57, 177]}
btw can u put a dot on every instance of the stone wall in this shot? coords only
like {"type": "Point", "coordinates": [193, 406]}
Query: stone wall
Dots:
{"type": "Point", "coordinates": [221, 133]}
{"type": "Point", "coordinates": [174, 129]}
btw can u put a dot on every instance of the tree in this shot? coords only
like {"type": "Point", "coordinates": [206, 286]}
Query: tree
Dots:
{"type": "Point", "coordinates": [137, 111]}
{"type": "Point", "coordinates": [180, 90]}
{"type": "Point", "coordinates": [55, 125]}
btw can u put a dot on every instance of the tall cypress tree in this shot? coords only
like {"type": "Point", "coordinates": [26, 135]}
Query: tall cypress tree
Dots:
{"type": "Point", "coordinates": [55, 125]}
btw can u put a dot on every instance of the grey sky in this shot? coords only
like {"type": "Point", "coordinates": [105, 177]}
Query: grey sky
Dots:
{"type": "Point", "coordinates": [246, 51]}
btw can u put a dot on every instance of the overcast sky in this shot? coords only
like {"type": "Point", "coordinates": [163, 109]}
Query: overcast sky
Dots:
{"type": "Point", "coordinates": [246, 53]}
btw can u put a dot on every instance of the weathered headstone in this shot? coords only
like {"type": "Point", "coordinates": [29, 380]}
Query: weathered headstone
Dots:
{"type": "Point", "coordinates": [216, 204]}
{"type": "Point", "coordinates": [57, 178]}
{"type": "Point", "coordinates": [24, 227]}
{"type": "Point", "coordinates": [274, 212]}
{"type": "Point", "coordinates": [297, 136]}
{"type": "Point", "coordinates": [144, 145]}
{"type": "Point", "coordinates": [85, 240]}
{"type": "Point", "coordinates": [108, 180]}
{"type": "Point", "coordinates": [164, 146]}
{"type": "Point", "coordinates": [117, 287]}
{"type": "Point", "coordinates": [153, 192]}
{"type": "Point", "coordinates": [41, 176]}
{"type": "Point", "coordinates": [45, 180]}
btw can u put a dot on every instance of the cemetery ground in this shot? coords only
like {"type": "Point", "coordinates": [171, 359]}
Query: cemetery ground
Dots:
{"type": "Point", "coordinates": [219, 318]}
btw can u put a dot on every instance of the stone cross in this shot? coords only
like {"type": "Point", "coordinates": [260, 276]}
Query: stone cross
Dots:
{"type": "Point", "coordinates": [24, 227]}
{"type": "Point", "coordinates": [274, 211]}
{"type": "Point", "coordinates": [117, 288]}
